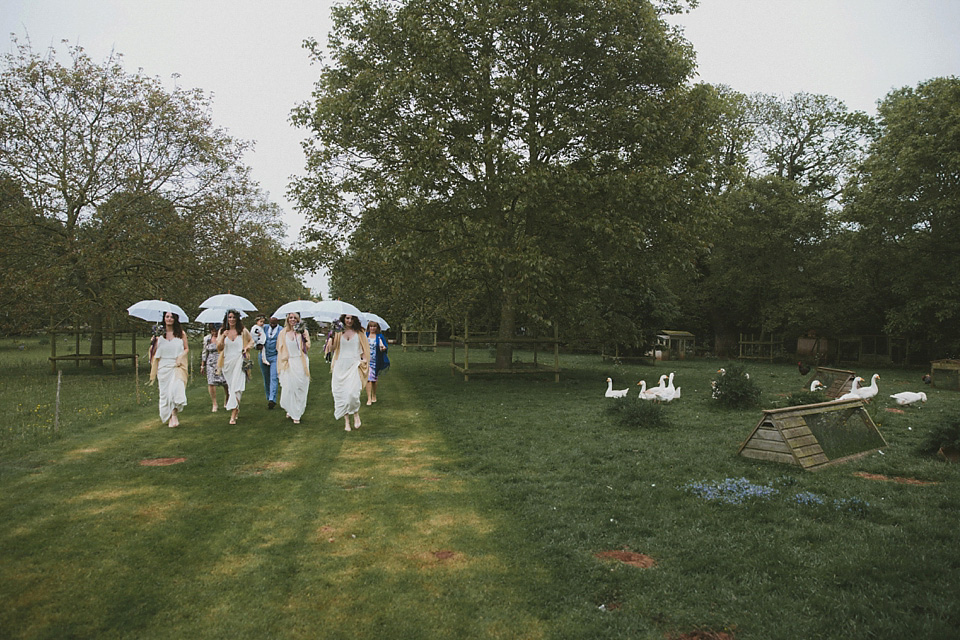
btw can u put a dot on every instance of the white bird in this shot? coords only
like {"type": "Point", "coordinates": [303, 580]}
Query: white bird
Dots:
{"type": "Point", "coordinates": [646, 394]}
{"type": "Point", "coordinates": [909, 397]}
{"type": "Point", "coordinates": [614, 393]}
{"type": "Point", "coordinates": [865, 393]}
{"type": "Point", "coordinates": [816, 385]}
{"type": "Point", "coordinates": [854, 387]}
{"type": "Point", "coordinates": [669, 393]}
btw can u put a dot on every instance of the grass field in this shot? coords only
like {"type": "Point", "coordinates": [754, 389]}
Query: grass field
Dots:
{"type": "Point", "coordinates": [460, 510]}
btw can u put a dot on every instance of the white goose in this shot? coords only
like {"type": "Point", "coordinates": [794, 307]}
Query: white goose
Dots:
{"type": "Point", "coordinates": [909, 397]}
{"type": "Point", "coordinates": [669, 393]}
{"type": "Point", "coordinates": [865, 393]}
{"type": "Point", "coordinates": [854, 387]}
{"type": "Point", "coordinates": [614, 393]}
{"type": "Point", "coordinates": [816, 385]}
{"type": "Point", "coordinates": [647, 394]}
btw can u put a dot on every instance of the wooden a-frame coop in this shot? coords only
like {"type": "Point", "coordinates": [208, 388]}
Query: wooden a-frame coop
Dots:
{"type": "Point", "coordinates": [813, 436]}
{"type": "Point", "coordinates": [836, 381]}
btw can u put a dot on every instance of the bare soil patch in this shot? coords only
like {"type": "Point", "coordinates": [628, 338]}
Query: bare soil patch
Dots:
{"type": "Point", "coordinates": [444, 555]}
{"type": "Point", "coordinates": [631, 558]}
{"type": "Point", "coordinates": [161, 462]}
{"type": "Point", "coordinates": [880, 476]}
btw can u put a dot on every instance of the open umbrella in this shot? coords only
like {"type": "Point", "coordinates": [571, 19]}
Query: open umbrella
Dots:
{"type": "Point", "coordinates": [228, 301]}
{"type": "Point", "coordinates": [215, 315]}
{"type": "Point", "coordinates": [332, 309]}
{"type": "Point", "coordinates": [375, 318]}
{"type": "Point", "coordinates": [305, 308]}
{"type": "Point", "coordinates": [153, 310]}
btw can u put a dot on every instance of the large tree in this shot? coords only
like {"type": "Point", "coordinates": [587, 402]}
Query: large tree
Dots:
{"type": "Point", "coordinates": [507, 156]}
{"type": "Point", "coordinates": [905, 209]}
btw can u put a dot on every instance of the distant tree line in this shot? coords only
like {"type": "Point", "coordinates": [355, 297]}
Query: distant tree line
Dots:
{"type": "Point", "coordinates": [114, 188]}
{"type": "Point", "coordinates": [536, 162]}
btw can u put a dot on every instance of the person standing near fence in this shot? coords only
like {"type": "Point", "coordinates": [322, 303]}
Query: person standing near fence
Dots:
{"type": "Point", "coordinates": [351, 362]}
{"type": "Point", "coordinates": [234, 344]}
{"type": "Point", "coordinates": [268, 362]}
{"type": "Point", "coordinates": [169, 368]}
{"type": "Point", "coordinates": [293, 367]}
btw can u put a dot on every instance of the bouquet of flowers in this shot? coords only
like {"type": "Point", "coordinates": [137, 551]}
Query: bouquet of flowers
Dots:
{"type": "Point", "coordinates": [159, 330]}
{"type": "Point", "coordinates": [247, 366]}
{"type": "Point", "coordinates": [300, 327]}
{"type": "Point", "coordinates": [337, 326]}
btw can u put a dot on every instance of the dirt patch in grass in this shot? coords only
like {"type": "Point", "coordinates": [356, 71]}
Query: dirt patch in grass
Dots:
{"type": "Point", "coordinates": [631, 558]}
{"type": "Point", "coordinates": [444, 555]}
{"type": "Point", "coordinates": [880, 476]}
{"type": "Point", "coordinates": [702, 634]}
{"type": "Point", "coordinates": [161, 462]}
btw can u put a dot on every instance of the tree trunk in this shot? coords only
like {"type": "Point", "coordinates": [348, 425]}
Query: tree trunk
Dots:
{"type": "Point", "coordinates": [96, 337]}
{"type": "Point", "coordinates": [508, 325]}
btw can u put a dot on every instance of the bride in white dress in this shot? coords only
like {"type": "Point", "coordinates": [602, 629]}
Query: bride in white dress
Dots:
{"type": "Point", "coordinates": [293, 368]}
{"type": "Point", "coordinates": [351, 359]}
{"type": "Point", "coordinates": [168, 367]}
{"type": "Point", "coordinates": [234, 344]}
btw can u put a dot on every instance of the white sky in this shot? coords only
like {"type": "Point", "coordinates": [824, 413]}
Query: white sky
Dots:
{"type": "Point", "coordinates": [248, 54]}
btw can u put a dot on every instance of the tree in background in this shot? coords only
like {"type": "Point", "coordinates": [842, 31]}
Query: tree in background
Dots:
{"type": "Point", "coordinates": [108, 177]}
{"type": "Point", "coordinates": [905, 208]}
{"type": "Point", "coordinates": [508, 157]}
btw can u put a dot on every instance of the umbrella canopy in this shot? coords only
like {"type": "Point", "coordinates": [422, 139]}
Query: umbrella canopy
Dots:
{"type": "Point", "coordinates": [153, 310]}
{"type": "Point", "coordinates": [372, 317]}
{"type": "Point", "coordinates": [333, 309]}
{"type": "Point", "coordinates": [228, 301]}
{"type": "Point", "coordinates": [215, 315]}
{"type": "Point", "coordinates": [305, 308]}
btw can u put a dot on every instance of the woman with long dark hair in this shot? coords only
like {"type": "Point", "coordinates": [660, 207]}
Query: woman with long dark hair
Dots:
{"type": "Point", "coordinates": [168, 366]}
{"type": "Point", "coordinates": [234, 344]}
{"type": "Point", "coordinates": [351, 361]}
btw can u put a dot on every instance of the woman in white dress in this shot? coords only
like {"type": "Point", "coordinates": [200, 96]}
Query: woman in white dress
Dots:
{"type": "Point", "coordinates": [168, 366]}
{"type": "Point", "coordinates": [293, 367]}
{"type": "Point", "coordinates": [234, 344]}
{"type": "Point", "coordinates": [351, 359]}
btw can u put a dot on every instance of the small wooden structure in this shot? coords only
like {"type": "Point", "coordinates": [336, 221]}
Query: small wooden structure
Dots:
{"type": "Point", "coordinates": [813, 436]}
{"type": "Point", "coordinates": [874, 349]}
{"type": "Point", "coordinates": [675, 345]}
{"type": "Point", "coordinates": [419, 339]}
{"type": "Point", "coordinates": [477, 339]}
{"type": "Point", "coordinates": [945, 374]}
{"type": "Point", "coordinates": [78, 357]}
{"type": "Point", "coordinates": [762, 347]}
{"type": "Point", "coordinates": [836, 381]}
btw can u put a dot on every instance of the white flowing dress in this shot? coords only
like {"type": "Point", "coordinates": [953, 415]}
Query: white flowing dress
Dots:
{"type": "Point", "coordinates": [294, 382]}
{"type": "Point", "coordinates": [346, 381]}
{"type": "Point", "coordinates": [173, 393]}
{"type": "Point", "coordinates": [233, 370]}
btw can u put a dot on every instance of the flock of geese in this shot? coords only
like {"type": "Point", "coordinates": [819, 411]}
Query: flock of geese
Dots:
{"type": "Point", "coordinates": [667, 392]}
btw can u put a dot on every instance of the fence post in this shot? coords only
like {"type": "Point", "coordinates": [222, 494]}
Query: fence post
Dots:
{"type": "Point", "coordinates": [56, 405]}
{"type": "Point", "coordinates": [136, 374]}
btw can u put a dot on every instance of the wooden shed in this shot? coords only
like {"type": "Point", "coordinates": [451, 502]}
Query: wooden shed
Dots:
{"type": "Point", "coordinates": [836, 381]}
{"type": "Point", "coordinates": [675, 345]}
{"type": "Point", "coordinates": [813, 436]}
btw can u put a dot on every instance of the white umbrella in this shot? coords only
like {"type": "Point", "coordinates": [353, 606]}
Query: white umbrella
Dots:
{"type": "Point", "coordinates": [153, 310]}
{"type": "Point", "coordinates": [228, 301]}
{"type": "Point", "coordinates": [332, 309]}
{"type": "Point", "coordinates": [372, 317]}
{"type": "Point", "coordinates": [305, 308]}
{"type": "Point", "coordinates": [215, 315]}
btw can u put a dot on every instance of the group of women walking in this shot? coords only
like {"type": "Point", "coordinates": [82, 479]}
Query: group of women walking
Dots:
{"type": "Point", "coordinates": [225, 360]}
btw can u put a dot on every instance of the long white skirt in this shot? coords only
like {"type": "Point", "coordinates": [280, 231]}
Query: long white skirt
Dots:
{"type": "Point", "coordinates": [294, 386]}
{"type": "Point", "coordinates": [236, 379]}
{"type": "Point", "coordinates": [173, 393]}
{"type": "Point", "coordinates": [346, 384]}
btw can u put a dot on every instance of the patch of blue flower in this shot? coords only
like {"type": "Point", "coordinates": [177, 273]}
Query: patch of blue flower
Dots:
{"type": "Point", "coordinates": [807, 498]}
{"type": "Point", "coordinates": [851, 505]}
{"type": "Point", "coordinates": [730, 490]}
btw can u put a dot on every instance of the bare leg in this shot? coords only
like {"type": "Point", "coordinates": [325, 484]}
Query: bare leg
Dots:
{"type": "Point", "coordinates": [369, 387]}
{"type": "Point", "coordinates": [174, 420]}
{"type": "Point", "coordinates": [372, 390]}
{"type": "Point", "coordinates": [212, 388]}
{"type": "Point", "coordinates": [346, 423]}
{"type": "Point", "coordinates": [356, 420]}
{"type": "Point", "coordinates": [233, 416]}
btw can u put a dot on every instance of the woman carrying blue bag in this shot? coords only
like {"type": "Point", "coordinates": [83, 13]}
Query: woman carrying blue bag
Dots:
{"type": "Point", "coordinates": [378, 359]}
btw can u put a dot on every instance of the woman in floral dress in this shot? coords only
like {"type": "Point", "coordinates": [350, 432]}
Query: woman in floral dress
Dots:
{"type": "Point", "coordinates": [208, 365]}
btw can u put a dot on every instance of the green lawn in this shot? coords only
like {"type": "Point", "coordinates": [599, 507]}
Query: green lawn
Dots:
{"type": "Point", "coordinates": [459, 510]}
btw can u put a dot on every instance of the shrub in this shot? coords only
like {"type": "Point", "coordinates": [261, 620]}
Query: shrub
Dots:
{"type": "Point", "coordinates": [635, 413]}
{"type": "Point", "coordinates": [735, 389]}
{"type": "Point", "coordinates": [945, 434]}
{"type": "Point", "coordinates": [805, 397]}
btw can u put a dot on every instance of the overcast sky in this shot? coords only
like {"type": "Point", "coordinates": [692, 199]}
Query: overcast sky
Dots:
{"type": "Point", "coordinates": [248, 54]}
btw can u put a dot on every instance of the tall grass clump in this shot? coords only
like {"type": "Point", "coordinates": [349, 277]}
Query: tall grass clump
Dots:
{"type": "Point", "coordinates": [734, 389]}
{"type": "Point", "coordinates": [634, 413]}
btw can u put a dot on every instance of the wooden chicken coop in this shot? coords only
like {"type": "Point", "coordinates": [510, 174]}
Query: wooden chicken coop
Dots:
{"type": "Point", "coordinates": [675, 345]}
{"type": "Point", "coordinates": [945, 374]}
{"type": "Point", "coordinates": [836, 381]}
{"type": "Point", "coordinates": [814, 436]}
